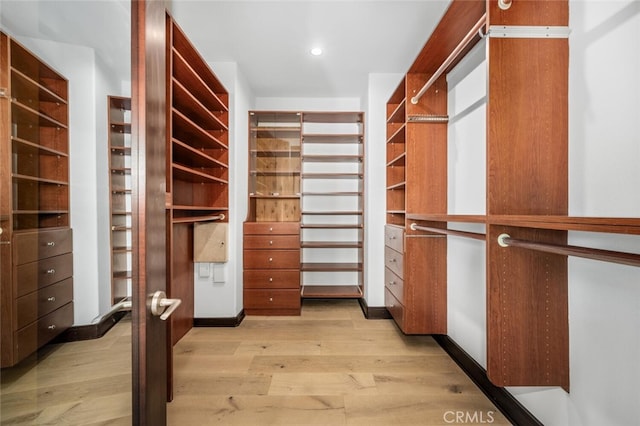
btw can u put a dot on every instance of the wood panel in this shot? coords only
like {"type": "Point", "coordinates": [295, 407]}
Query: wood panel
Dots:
{"type": "Point", "coordinates": [527, 311]}
{"type": "Point", "coordinates": [527, 121]}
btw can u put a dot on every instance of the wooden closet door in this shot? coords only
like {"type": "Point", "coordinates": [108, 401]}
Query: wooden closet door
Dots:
{"type": "Point", "coordinates": [151, 359]}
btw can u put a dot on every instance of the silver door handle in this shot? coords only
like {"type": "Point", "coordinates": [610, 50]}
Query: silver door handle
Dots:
{"type": "Point", "coordinates": [159, 303]}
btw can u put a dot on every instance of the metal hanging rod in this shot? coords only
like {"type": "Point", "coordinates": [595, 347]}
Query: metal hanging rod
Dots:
{"type": "Point", "coordinates": [631, 259]}
{"type": "Point", "coordinates": [459, 48]}
{"type": "Point", "coordinates": [473, 235]}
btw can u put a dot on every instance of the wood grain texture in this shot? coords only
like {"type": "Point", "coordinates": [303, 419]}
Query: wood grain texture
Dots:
{"type": "Point", "coordinates": [327, 366]}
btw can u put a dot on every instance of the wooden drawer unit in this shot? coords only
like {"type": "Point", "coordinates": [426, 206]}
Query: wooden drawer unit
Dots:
{"type": "Point", "coordinates": [395, 308]}
{"type": "Point", "coordinates": [272, 268]}
{"type": "Point", "coordinates": [394, 284]}
{"type": "Point", "coordinates": [272, 279]}
{"type": "Point", "coordinates": [394, 261]}
{"type": "Point", "coordinates": [34, 275]}
{"type": "Point", "coordinates": [394, 238]}
{"type": "Point", "coordinates": [271, 241]}
{"type": "Point", "coordinates": [44, 301]}
{"type": "Point", "coordinates": [37, 334]}
{"type": "Point", "coordinates": [36, 245]}
{"type": "Point", "coordinates": [272, 259]}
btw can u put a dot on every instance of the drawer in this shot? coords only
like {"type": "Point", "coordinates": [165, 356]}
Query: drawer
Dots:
{"type": "Point", "coordinates": [37, 334]}
{"type": "Point", "coordinates": [257, 278]}
{"type": "Point", "coordinates": [39, 303]}
{"type": "Point", "coordinates": [271, 242]}
{"type": "Point", "coordinates": [394, 307]}
{"type": "Point", "coordinates": [394, 261]}
{"type": "Point", "coordinates": [268, 228]}
{"type": "Point", "coordinates": [271, 299]}
{"type": "Point", "coordinates": [272, 259]}
{"type": "Point", "coordinates": [32, 276]}
{"type": "Point", "coordinates": [394, 284]}
{"type": "Point", "coordinates": [394, 238]}
{"type": "Point", "coordinates": [32, 246]}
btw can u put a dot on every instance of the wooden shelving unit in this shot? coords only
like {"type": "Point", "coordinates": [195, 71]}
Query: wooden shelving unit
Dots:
{"type": "Point", "coordinates": [197, 164]}
{"type": "Point", "coordinates": [36, 288]}
{"type": "Point", "coordinates": [332, 216]}
{"type": "Point", "coordinates": [119, 122]}
{"type": "Point", "coordinates": [272, 228]}
{"type": "Point", "coordinates": [526, 183]}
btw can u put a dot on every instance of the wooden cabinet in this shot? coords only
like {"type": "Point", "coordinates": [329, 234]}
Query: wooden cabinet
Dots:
{"type": "Point", "coordinates": [274, 166]}
{"type": "Point", "coordinates": [36, 242]}
{"type": "Point", "coordinates": [119, 122]}
{"type": "Point", "coordinates": [416, 183]}
{"type": "Point", "coordinates": [197, 164]}
{"type": "Point", "coordinates": [272, 268]}
{"type": "Point", "coordinates": [332, 216]}
{"type": "Point", "coordinates": [526, 184]}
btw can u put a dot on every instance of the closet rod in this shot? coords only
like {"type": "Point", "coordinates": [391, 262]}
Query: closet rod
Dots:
{"type": "Point", "coordinates": [459, 48]}
{"type": "Point", "coordinates": [631, 259]}
{"type": "Point", "coordinates": [474, 235]}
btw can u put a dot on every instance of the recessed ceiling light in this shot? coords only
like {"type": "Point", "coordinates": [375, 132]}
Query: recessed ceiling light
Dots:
{"type": "Point", "coordinates": [316, 51]}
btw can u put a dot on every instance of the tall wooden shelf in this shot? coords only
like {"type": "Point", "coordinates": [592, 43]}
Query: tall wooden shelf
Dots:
{"type": "Point", "coordinates": [36, 289]}
{"type": "Point", "coordinates": [197, 164]}
{"type": "Point", "coordinates": [119, 122]}
{"type": "Point", "coordinates": [272, 228]}
{"type": "Point", "coordinates": [527, 190]}
{"type": "Point", "coordinates": [332, 220]}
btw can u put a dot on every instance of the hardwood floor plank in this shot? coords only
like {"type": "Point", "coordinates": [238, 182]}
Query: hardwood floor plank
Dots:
{"type": "Point", "coordinates": [323, 384]}
{"type": "Point", "coordinates": [257, 410]}
{"type": "Point", "coordinates": [351, 364]}
{"type": "Point", "coordinates": [420, 409]}
{"type": "Point", "coordinates": [211, 382]}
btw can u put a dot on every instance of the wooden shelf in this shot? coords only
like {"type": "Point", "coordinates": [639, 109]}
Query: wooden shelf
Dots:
{"type": "Point", "coordinates": [332, 175]}
{"type": "Point", "coordinates": [331, 292]}
{"type": "Point", "coordinates": [333, 117]}
{"type": "Point", "coordinates": [330, 226]}
{"type": "Point", "coordinates": [331, 244]}
{"type": "Point", "coordinates": [330, 267]}
{"type": "Point", "coordinates": [35, 209]}
{"type": "Point", "coordinates": [332, 158]}
{"type": "Point", "coordinates": [332, 138]}
{"type": "Point", "coordinates": [198, 175]}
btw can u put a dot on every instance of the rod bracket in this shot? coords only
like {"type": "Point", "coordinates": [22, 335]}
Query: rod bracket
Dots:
{"type": "Point", "coordinates": [501, 239]}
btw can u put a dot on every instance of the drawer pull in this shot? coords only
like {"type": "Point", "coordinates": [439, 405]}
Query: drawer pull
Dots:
{"type": "Point", "coordinates": [51, 271]}
{"type": "Point", "coordinates": [393, 237]}
{"type": "Point", "coordinates": [51, 299]}
{"type": "Point", "coordinates": [51, 243]}
{"type": "Point", "coordinates": [271, 259]}
{"type": "Point", "coordinates": [270, 229]}
{"type": "Point", "coordinates": [392, 283]}
{"type": "Point", "coordinates": [270, 243]}
{"type": "Point", "coordinates": [270, 279]}
{"type": "Point", "coordinates": [271, 299]}
{"type": "Point", "coordinates": [393, 260]}
{"type": "Point", "coordinates": [52, 327]}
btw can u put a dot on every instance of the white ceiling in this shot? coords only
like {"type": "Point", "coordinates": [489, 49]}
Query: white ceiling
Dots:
{"type": "Point", "coordinates": [269, 40]}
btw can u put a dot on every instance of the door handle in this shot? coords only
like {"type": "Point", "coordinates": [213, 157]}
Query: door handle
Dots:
{"type": "Point", "coordinates": [160, 303]}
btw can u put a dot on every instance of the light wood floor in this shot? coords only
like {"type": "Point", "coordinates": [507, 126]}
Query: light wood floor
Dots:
{"type": "Point", "coordinates": [330, 366]}
{"type": "Point", "coordinates": [79, 383]}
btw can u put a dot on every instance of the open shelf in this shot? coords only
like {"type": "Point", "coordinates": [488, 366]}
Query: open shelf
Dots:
{"type": "Point", "coordinates": [331, 292]}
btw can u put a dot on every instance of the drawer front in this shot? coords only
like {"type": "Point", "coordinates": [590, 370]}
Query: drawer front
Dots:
{"type": "Point", "coordinates": [32, 276]}
{"type": "Point", "coordinates": [37, 334]}
{"type": "Point", "coordinates": [394, 284]}
{"type": "Point", "coordinates": [394, 238]}
{"type": "Point", "coordinates": [271, 299]}
{"type": "Point", "coordinates": [272, 259]}
{"type": "Point", "coordinates": [264, 279]}
{"type": "Point", "coordinates": [270, 228]}
{"type": "Point", "coordinates": [271, 242]}
{"type": "Point", "coordinates": [39, 303]}
{"type": "Point", "coordinates": [32, 246]}
{"type": "Point", "coordinates": [394, 307]}
{"type": "Point", "coordinates": [394, 261]}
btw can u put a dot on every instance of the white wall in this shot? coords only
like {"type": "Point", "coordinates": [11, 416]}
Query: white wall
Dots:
{"type": "Point", "coordinates": [604, 154]}
{"type": "Point", "coordinates": [380, 88]}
